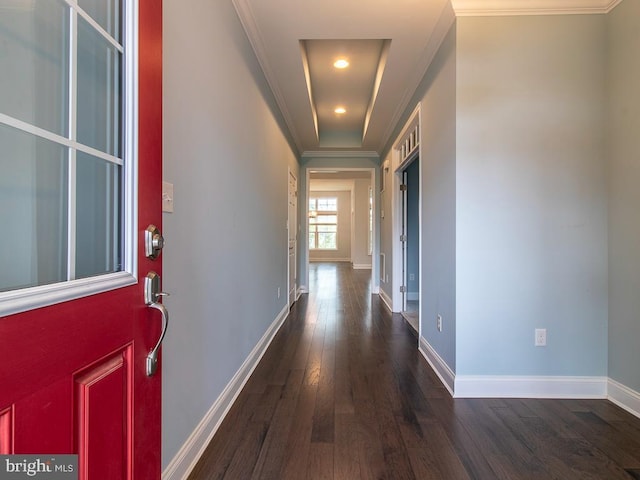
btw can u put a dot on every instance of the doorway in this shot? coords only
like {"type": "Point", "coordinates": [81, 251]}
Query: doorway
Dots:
{"type": "Point", "coordinates": [339, 218]}
{"type": "Point", "coordinates": [410, 243]}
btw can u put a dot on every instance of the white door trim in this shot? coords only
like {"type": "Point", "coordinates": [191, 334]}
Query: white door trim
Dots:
{"type": "Point", "coordinates": [403, 154]}
{"type": "Point", "coordinates": [290, 302]}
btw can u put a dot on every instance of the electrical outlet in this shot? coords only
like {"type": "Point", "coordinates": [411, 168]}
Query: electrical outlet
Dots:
{"type": "Point", "coordinates": [278, 292]}
{"type": "Point", "coordinates": [412, 277]}
{"type": "Point", "coordinates": [541, 337]}
{"type": "Point", "coordinates": [439, 323]}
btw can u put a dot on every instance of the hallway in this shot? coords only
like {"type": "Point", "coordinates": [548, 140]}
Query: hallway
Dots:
{"type": "Point", "coordinates": [343, 393]}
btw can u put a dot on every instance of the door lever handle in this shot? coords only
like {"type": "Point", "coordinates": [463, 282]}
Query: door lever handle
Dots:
{"type": "Point", "coordinates": [152, 294]}
{"type": "Point", "coordinates": [152, 357]}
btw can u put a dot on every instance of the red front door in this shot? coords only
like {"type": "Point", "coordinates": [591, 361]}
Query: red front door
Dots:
{"type": "Point", "coordinates": [73, 374]}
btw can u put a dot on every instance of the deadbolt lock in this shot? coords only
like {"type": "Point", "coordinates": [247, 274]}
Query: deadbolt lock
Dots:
{"type": "Point", "coordinates": [153, 242]}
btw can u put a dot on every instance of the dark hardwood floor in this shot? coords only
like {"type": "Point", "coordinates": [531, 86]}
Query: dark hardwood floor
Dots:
{"type": "Point", "coordinates": [343, 393]}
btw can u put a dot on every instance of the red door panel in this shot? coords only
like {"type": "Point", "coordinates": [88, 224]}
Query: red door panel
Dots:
{"type": "Point", "coordinates": [6, 431]}
{"type": "Point", "coordinates": [103, 403]}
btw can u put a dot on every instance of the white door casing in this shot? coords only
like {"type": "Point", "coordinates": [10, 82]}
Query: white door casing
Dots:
{"type": "Point", "coordinates": [292, 235]}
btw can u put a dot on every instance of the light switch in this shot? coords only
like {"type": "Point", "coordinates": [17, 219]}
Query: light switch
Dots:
{"type": "Point", "coordinates": [167, 197]}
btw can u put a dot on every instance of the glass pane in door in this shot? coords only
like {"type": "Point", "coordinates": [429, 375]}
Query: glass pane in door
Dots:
{"type": "Point", "coordinates": [34, 61]}
{"type": "Point", "coordinates": [107, 13]}
{"type": "Point", "coordinates": [99, 91]}
{"type": "Point", "coordinates": [98, 214]}
{"type": "Point", "coordinates": [33, 210]}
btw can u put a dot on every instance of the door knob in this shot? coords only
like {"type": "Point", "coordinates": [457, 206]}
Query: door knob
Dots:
{"type": "Point", "coordinates": [153, 242]}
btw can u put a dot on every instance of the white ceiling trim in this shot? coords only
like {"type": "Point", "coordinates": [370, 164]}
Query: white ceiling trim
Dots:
{"type": "Point", "coordinates": [376, 85]}
{"type": "Point", "coordinates": [446, 19]}
{"type": "Point", "coordinates": [480, 8]}
{"type": "Point", "coordinates": [255, 38]}
{"type": "Point", "coordinates": [307, 78]}
{"type": "Point", "coordinates": [339, 154]}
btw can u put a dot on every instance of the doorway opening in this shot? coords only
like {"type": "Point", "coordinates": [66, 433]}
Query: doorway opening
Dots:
{"type": "Point", "coordinates": [340, 219]}
{"type": "Point", "coordinates": [406, 207]}
{"type": "Point", "coordinates": [410, 241]}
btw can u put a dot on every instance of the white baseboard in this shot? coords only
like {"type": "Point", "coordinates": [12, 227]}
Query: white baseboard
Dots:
{"type": "Point", "coordinates": [624, 397]}
{"type": "Point", "coordinates": [301, 290]}
{"type": "Point", "coordinates": [361, 266]}
{"type": "Point", "coordinates": [385, 299]}
{"type": "Point", "coordinates": [375, 290]}
{"type": "Point", "coordinates": [187, 457]}
{"type": "Point", "coordinates": [446, 375]}
{"type": "Point", "coordinates": [507, 386]}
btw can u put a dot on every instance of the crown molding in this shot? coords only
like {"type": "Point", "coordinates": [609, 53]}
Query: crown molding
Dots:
{"type": "Point", "coordinates": [339, 154]}
{"type": "Point", "coordinates": [443, 25]}
{"type": "Point", "coordinates": [485, 8]}
{"type": "Point", "coordinates": [247, 19]}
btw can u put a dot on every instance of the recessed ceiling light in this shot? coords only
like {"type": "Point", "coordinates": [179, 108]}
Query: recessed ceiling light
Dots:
{"type": "Point", "coordinates": [340, 110]}
{"type": "Point", "coordinates": [341, 63]}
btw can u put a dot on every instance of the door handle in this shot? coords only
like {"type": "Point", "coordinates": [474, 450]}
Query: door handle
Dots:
{"type": "Point", "coordinates": [152, 294]}
{"type": "Point", "coordinates": [152, 357]}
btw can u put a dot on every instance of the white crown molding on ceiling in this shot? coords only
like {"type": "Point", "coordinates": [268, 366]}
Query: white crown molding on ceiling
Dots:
{"type": "Point", "coordinates": [339, 154]}
{"type": "Point", "coordinates": [443, 25]}
{"type": "Point", "coordinates": [255, 38]}
{"type": "Point", "coordinates": [480, 8]}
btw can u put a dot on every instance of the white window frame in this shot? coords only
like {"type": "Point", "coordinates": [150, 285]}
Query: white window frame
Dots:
{"type": "Point", "coordinates": [324, 212]}
{"type": "Point", "coordinates": [15, 301]}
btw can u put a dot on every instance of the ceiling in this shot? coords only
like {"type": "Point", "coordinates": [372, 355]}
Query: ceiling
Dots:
{"type": "Point", "coordinates": [389, 46]}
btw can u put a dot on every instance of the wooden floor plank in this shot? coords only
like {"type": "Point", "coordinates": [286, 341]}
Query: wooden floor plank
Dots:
{"type": "Point", "coordinates": [294, 464]}
{"type": "Point", "coordinates": [346, 459]}
{"type": "Point", "coordinates": [320, 466]}
{"type": "Point", "coordinates": [370, 450]}
{"type": "Point", "coordinates": [272, 454]}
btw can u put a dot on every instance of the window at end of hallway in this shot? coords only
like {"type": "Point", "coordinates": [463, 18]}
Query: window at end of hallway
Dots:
{"type": "Point", "coordinates": [323, 223]}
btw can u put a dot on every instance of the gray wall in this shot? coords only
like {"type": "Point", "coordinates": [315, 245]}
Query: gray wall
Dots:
{"type": "Point", "coordinates": [343, 252]}
{"type": "Point", "coordinates": [623, 155]}
{"type": "Point", "coordinates": [531, 195]}
{"type": "Point", "coordinates": [438, 185]}
{"type": "Point", "coordinates": [226, 251]}
{"type": "Point", "coordinates": [514, 201]}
